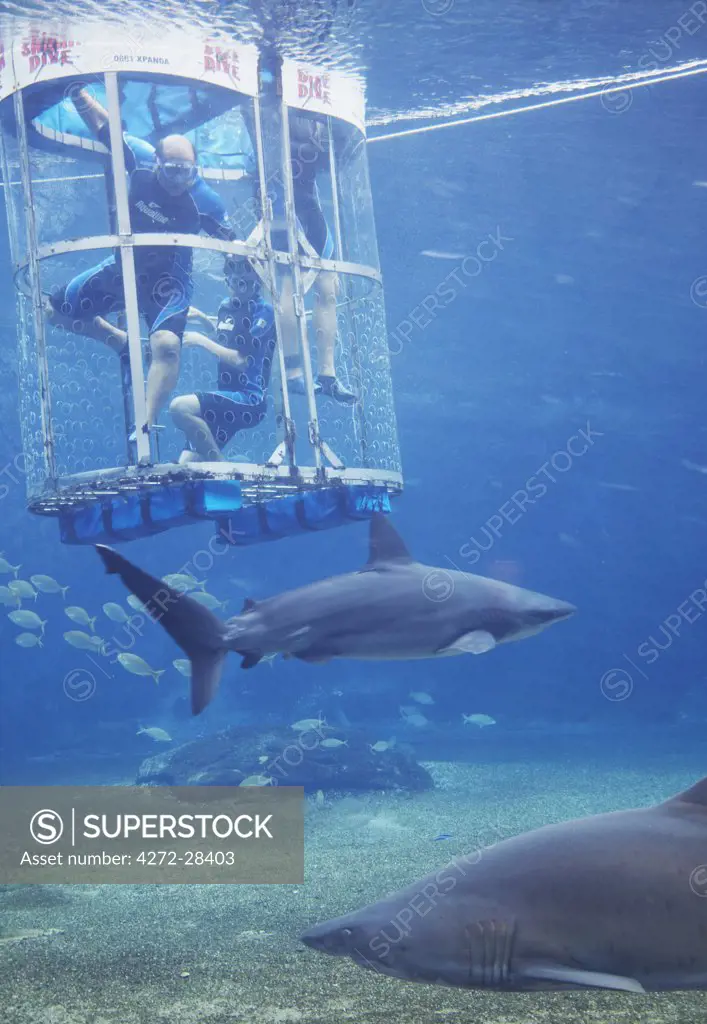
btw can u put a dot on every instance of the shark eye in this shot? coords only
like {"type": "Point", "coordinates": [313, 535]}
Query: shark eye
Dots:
{"type": "Point", "coordinates": [347, 933]}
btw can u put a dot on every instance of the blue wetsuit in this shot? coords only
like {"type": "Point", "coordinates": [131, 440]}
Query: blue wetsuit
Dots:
{"type": "Point", "coordinates": [309, 213]}
{"type": "Point", "coordinates": [164, 273]}
{"type": "Point", "coordinates": [310, 219]}
{"type": "Point", "coordinates": [307, 158]}
{"type": "Point", "coordinates": [245, 323]}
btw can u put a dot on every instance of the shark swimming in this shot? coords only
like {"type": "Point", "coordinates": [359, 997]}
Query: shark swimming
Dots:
{"type": "Point", "coordinates": [393, 608]}
{"type": "Point", "coordinates": [610, 901]}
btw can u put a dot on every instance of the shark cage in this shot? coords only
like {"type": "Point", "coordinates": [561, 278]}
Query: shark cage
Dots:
{"type": "Point", "coordinates": [273, 232]}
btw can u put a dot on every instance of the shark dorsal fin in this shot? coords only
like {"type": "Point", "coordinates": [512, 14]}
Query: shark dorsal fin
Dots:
{"type": "Point", "coordinates": [696, 794]}
{"type": "Point", "coordinates": [386, 544]}
{"type": "Point", "coordinates": [248, 605]}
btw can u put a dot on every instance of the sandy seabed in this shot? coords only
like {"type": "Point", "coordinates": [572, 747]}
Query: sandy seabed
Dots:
{"type": "Point", "coordinates": [217, 954]}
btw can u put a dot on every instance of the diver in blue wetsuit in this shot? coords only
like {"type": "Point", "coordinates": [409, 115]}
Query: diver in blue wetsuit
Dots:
{"type": "Point", "coordinates": [244, 345]}
{"type": "Point", "coordinates": [166, 195]}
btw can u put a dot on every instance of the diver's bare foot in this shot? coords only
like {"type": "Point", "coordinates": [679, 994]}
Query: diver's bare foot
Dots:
{"type": "Point", "coordinates": [111, 336]}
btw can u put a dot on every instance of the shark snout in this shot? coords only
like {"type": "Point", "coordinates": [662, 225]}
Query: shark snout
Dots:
{"type": "Point", "coordinates": [365, 943]}
{"type": "Point", "coordinates": [338, 938]}
{"type": "Point", "coordinates": [538, 611]}
{"type": "Point", "coordinates": [385, 940]}
{"type": "Point", "coordinates": [556, 611]}
{"type": "Point", "coordinates": [535, 612]}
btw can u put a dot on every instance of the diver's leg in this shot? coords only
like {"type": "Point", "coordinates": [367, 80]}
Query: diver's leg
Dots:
{"type": "Point", "coordinates": [78, 307]}
{"type": "Point", "coordinates": [111, 335]}
{"type": "Point", "coordinates": [290, 332]}
{"type": "Point", "coordinates": [324, 322]}
{"type": "Point", "coordinates": [290, 341]}
{"type": "Point", "coordinates": [324, 325]}
{"type": "Point", "coordinates": [96, 328]}
{"type": "Point", "coordinates": [325, 331]}
{"type": "Point", "coordinates": [187, 416]}
{"type": "Point", "coordinates": [163, 374]}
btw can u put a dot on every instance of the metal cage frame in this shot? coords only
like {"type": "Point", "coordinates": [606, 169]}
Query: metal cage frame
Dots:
{"type": "Point", "coordinates": [280, 474]}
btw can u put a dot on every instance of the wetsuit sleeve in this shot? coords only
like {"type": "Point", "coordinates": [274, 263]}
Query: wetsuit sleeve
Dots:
{"type": "Point", "coordinates": [213, 214]}
{"type": "Point", "coordinates": [135, 151]}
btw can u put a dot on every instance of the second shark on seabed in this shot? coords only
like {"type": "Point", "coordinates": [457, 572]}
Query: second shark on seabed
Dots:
{"type": "Point", "coordinates": [610, 901]}
{"type": "Point", "coordinates": [394, 608]}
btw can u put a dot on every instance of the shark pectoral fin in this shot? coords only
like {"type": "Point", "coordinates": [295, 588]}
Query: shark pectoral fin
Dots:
{"type": "Point", "coordinates": [477, 642]}
{"type": "Point", "coordinates": [250, 660]}
{"type": "Point", "coordinates": [587, 979]}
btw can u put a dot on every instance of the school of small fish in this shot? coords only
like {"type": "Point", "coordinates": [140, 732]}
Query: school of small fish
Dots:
{"type": "Point", "coordinates": [87, 639]}
{"type": "Point", "coordinates": [155, 733]}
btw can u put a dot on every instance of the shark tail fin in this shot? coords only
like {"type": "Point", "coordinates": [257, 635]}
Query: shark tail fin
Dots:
{"type": "Point", "coordinates": [199, 633]}
{"type": "Point", "coordinates": [206, 670]}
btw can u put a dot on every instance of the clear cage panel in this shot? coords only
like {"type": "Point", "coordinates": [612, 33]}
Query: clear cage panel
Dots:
{"type": "Point", "coordinates": [287, 292]}
{"type": "Point", "coordinates": [364, 435]}
{"type": "Point", "coordinates": [340, 315]}
{"type": "Point", "coordinates": [297, 425]}
{"type": "Point", "coordinates": [70, 189]}
{"type": "Point", "coordinates": [30, 399]}
{"type": "Point", "coordinates": [14, 195]}
{"type": "Point", "coordinates": [354, 199]}
{"type": "Point", "coordinates": [69, 196]}
{"type": "Point", "coordinates": [89, 387]}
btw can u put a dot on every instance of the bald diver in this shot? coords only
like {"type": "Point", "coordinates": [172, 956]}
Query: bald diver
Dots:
{"type": "Point", "coordinates": [166, 195]}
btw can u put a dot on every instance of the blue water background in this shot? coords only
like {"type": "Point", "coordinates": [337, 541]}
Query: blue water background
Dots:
{"type": "Point", "coordinates": [585, 317]}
